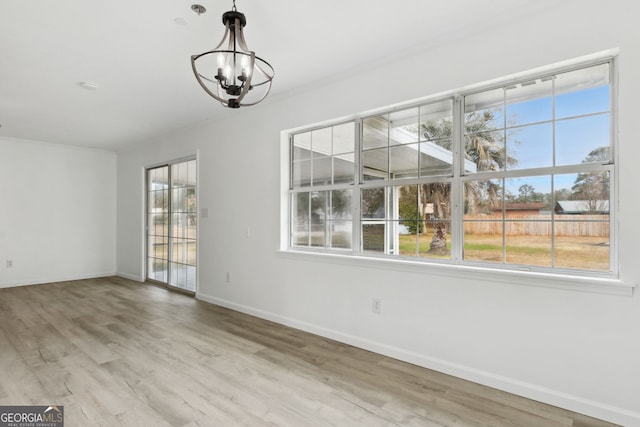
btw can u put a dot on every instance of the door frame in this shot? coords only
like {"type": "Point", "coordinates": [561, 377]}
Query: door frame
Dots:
{"type": "Point", "coordinates": [146, 277]}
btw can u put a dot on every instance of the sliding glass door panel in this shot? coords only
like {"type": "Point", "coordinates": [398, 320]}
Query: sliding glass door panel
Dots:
{"type": "Point", "coordinates": [183, 225]}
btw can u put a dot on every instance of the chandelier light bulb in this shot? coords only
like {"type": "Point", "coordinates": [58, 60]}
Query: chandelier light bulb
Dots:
{"type": "Point", "coordinates": [246, 70]}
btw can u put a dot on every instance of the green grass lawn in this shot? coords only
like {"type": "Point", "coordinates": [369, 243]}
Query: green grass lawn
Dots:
{"type": "Point", "coordinates": [587, 253]}
{"type": "Point", "coordinates": [579, 252]}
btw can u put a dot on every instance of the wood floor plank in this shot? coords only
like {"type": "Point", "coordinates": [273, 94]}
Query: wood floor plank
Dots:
{"type": "Point", "coordinates": [117, 352]}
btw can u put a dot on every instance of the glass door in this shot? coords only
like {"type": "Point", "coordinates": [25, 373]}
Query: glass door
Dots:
{"type": "Point", "coordinates": [172, 225]}
{"type": "Point", "coordinates": [158, 224]}
{"type": "Point", "coordinates": [182, 233]}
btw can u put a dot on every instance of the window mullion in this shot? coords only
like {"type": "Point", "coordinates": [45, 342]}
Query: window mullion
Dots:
{"type": "Point", "coordinates": [327, 219]}
{"type": "Point", "coordinates": [309, 219]}
{"type": "Point", "coordinates": [613, 177]}
{"type": "Point", "coordinates": [356, 234]}
{"type": "Point", "coordinates": [170, 222]}
{"type": "Point", "coordinates": [457, 186]}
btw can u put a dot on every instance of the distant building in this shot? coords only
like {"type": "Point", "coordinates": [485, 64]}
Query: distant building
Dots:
{"type": "Point", "coordinates": [582, 207]}
{"type": "Point", "coordinates": [532, 208]}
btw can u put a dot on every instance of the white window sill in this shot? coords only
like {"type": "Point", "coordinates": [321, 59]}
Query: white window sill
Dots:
{"type": "Point", "coordinates": [603, 285]}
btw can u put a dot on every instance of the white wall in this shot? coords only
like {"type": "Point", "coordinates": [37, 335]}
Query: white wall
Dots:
{"type": "Point", "coordinates": [574, 349]}
{"type": "Point", "coordinates": [57, 212]}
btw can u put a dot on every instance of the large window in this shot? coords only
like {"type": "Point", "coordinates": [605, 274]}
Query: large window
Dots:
{"type": "Point", "coordinates": [518, 176]}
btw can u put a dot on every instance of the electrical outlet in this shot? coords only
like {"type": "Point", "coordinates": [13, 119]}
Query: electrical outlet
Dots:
{"type": "Point", "coordinates": [9, 263]}
{"type": "Point", "coordinates": [376, 305]}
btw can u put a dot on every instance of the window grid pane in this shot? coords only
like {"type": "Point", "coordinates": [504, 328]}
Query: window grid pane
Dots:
{"type": "Point", "coordinates": [323, 156]}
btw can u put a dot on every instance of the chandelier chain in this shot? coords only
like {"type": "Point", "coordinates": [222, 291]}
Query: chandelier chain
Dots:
{"type": "Point", "coordinates": [234, 6]}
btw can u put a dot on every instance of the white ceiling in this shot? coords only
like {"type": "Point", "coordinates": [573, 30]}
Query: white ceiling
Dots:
{"type": "Point", "coordinates": [140, 57]}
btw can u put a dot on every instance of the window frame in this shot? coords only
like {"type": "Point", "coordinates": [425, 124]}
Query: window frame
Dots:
{"type": "Point", "coordinates": [601, 281]}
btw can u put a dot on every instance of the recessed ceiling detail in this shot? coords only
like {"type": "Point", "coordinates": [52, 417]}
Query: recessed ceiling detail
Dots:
{"type": "Point", "coordinates": [88, 85]}
{"type": "Point", "coordinates": [198, 8]}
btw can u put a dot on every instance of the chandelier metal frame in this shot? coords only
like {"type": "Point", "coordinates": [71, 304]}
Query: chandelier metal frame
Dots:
{"type": "Point", "coordinates": [239, 77]}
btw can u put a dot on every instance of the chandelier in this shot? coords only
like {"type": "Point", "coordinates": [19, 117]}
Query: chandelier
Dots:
{"type": "Point", "coordinates": [231, 73]}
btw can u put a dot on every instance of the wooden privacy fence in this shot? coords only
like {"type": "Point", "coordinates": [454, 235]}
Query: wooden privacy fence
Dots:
{"type": "Point", "coordinates": [539, 225]}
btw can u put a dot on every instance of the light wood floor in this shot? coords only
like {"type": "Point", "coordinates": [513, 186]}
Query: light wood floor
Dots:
{"type": "Point", "coordinates": [116, 352]}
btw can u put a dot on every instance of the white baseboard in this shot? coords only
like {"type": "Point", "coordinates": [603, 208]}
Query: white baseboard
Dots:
{"type": "Point", "coordinates": [531, 391]}
{"type": "Point", "coordinates": [133, 277]}
{"type": "Point", "coordinates": [54, 279]}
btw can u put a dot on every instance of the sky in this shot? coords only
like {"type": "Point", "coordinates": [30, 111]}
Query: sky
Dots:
{"type": "Point", "coordinates": [582, 125]}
